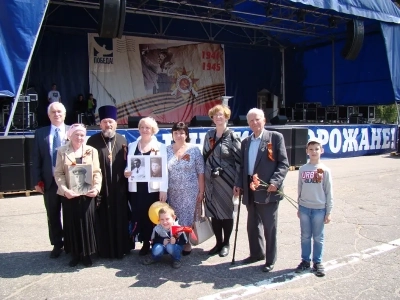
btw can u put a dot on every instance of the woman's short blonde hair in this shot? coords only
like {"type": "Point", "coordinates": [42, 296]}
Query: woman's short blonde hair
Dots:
{"type": "Point", "coordinates": [151, 122]}
{"type": "Point", "coordinates": [217, 108]}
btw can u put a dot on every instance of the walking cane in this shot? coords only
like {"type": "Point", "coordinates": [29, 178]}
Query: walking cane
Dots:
{"type": "Point", "coordinates": [236, 230]}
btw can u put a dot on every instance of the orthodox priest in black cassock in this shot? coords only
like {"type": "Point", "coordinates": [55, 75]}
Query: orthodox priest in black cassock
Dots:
{"type": "Point", "coordinates": [112, 214]}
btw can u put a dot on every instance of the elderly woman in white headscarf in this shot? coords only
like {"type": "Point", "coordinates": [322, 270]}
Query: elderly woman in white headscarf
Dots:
{"type": "Point", "coordinates": [78, 204]}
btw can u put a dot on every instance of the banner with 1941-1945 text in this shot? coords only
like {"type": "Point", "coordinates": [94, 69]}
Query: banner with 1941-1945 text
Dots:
{"type": "Point", "coordinates": [169, 80]}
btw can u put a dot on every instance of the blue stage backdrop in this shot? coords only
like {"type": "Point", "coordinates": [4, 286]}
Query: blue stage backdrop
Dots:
{"type": "Point", "coordinates": [339, 141]}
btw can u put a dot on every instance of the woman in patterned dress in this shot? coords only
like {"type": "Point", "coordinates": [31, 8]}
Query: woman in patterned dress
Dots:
{"type": "Point", "coordinates": [219, 188]}
{"type": "Point", "coordinates": [185, 177]}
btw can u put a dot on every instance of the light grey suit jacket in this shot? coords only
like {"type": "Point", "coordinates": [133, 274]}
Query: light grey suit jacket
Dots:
{"type": "Point", "coordinates": [271, 172]}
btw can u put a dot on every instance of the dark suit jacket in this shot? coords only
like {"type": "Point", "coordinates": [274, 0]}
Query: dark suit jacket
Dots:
{"type": "Point", "coordinates": [42, 163]}
{"type": "Point", "coordinates": [269, 171]}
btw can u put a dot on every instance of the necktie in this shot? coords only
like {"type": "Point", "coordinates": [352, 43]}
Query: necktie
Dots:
{"type": "Point", "coordinates": [137, 170]}
{"type": "Point", "coordinates": [56, 145]}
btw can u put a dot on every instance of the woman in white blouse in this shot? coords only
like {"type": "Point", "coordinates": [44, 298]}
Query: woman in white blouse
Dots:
{"type": "Point", "coordinates": [144, 194]}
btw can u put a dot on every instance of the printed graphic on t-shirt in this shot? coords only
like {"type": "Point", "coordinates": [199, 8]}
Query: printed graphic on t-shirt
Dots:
{"type": "Point", "coordinates": [312, 176]}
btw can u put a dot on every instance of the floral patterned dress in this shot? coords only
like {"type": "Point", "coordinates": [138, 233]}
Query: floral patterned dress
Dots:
{"type": "Point", "coordinates": [183, 184]}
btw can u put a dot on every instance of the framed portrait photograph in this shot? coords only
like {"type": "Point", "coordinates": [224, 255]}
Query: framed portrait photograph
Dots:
{"type": "Point", "coordinates": [137, 165]}
{"type": "Point", "coordinates": [81, 178]}
{"type": "Point", "coordinates": [147, 168]}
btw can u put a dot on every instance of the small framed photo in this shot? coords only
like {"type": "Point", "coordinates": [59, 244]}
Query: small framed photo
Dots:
{"type": "Point", "coordinates": [81, 178]}
{"type": "Point", "coordinates": [147, 168]}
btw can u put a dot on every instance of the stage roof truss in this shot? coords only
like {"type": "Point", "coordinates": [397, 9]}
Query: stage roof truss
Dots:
{"type": "Point", "coordinates": [274, 23]}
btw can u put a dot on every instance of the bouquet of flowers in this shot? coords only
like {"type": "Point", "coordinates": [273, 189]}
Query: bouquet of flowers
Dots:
{"type": "Point", "coordinates": [257, 182]}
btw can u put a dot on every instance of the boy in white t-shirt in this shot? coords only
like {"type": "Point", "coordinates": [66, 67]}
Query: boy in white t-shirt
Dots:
{"type": "Point", "coordinates": [54, 95]}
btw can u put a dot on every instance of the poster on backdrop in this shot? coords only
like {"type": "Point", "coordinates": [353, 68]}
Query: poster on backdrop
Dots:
{"type": "Point", "coordinates": [169, 80]}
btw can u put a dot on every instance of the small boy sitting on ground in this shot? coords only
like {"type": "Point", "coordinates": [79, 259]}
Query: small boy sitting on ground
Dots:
{"type": "Point", "coordinates": [164, 242]}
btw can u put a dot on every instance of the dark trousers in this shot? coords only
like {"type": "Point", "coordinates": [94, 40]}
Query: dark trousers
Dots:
{"type": "Point", "coordinates": [52, 202]}
{"type": "Point", "coordinates": [262, 222]}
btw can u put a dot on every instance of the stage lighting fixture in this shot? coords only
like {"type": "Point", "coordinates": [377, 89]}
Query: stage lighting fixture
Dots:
{"type": "Point", "coordinates": [332, 22]}
{"type": "Point", "coordinates": [301, 16]}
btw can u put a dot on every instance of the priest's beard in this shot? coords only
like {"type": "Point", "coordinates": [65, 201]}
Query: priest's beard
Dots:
{"type": "Point", "coordinates": [108, 133]}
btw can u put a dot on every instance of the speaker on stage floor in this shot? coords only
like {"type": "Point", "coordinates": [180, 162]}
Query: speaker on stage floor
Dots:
{"type": "Point", "coordinates": [29, 142]}
{"type": "Point", "coordinates": [299, 144]}
{"type": "Point", "coordinates": [12, 164]}
{"type": "Point", "coordinates": [355, 39]}
{"type": "Point", "coordinates": [12, 178]}
{"type": "Point", "coordinates": [133, 122]}
{"type": "Point", "coordinates": [12, 150]}
{"type": "Point", "coordinates": [240, 121]}
{"type": "Point", "coordinates": [287, 133]}
{"type": "Point", "coordinates": [112, 18]}
{"type": "Point", "coordinates": [279, 120]}
{"type": "Point", "coordinates": [200, 121]}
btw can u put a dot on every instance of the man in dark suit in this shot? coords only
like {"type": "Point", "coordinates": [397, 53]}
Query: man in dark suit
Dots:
{"type": "Point", "coordinates": [264, 154]}
{"type": "Point", "coordinates": [47, 141]}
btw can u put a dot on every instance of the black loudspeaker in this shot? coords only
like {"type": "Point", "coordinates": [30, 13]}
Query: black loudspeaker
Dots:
{"type": "Point", "coordinates": [299, 144]}
{"type": "Point", "coordinates": [12, 178]}
{"type": "Point", "coordinates": [279, 120]}
{"type": "Point", "coordinates": [12, 150]}
{"type": "Point", "coordinates": [133, 122]}
{"type": "Point", "coordinates": [355, 39]}
{"type": "Point", "coordinates": [200, 121]}
{"type": "Point", "coordinates": [29, 143]}
{"type": "Point", "coordinates": [12, 164]}
{"type": "Point", "coordinates": [287, 133]}
{"type": "Point", "coordinates": [240, 121]}
{"type": "Point", "coordinates": [112, 18]}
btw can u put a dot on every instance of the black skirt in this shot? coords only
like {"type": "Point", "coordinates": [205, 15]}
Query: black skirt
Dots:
{"type": "Point", "coordinates": [79, 221]}
{"type": "Point", "coordinates": [140, 203]}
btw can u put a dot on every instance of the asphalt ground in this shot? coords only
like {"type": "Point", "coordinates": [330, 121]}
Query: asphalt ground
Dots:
{"type": "Point", "coordinates": [362, 249]}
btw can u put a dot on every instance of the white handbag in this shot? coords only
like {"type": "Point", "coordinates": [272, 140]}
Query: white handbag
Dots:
{"type": "Point", "coordinates": [202, 229]}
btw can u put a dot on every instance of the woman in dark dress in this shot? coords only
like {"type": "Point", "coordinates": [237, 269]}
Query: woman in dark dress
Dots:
{"type": "Point", "coordinates": [78, 202]}
{"type": "Point", "coordinates": [219, 185]}
{"type": "Point", "coordinates": [144, 194]}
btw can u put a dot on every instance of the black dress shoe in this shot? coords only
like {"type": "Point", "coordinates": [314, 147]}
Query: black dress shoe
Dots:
{"type": "Point", "coordinates": [56, 252]}
{"type": "Point", "coordinates": [74, 261]}
{"type": "Point", "coordinates": [87, 262]}
{"type": "Point", "coordinates": [252, 259]}
{"type": "Point", "coordinates": [224, 251]}
{"type": "Point", "coordinates": [214, 250]}
{"type": "Point", "coordinates": [267, 268]}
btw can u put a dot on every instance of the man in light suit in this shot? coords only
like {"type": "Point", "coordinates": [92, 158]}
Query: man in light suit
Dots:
{"type": "Point", "coordinates": [263, 153]}
{"type": "Point", "coordinates": [138, 171]}
{"type": "Point", "coordinates": [47, 140]}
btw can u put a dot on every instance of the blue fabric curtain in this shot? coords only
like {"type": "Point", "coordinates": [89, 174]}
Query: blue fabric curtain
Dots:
{"type": "Point", "coordinates": [19, 26]}
{"type": "Point", "coordinates": [363, 81]}
{"type": "Point", "coordinates": [247, 72]}
{"type": "Point", "coordinates": [60, 58]}
{"type": "Point", "coordinates": [391, 35]}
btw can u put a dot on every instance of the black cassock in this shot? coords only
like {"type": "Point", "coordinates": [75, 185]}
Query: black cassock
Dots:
{"type": "Point", "coordinates": [112, 214]}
